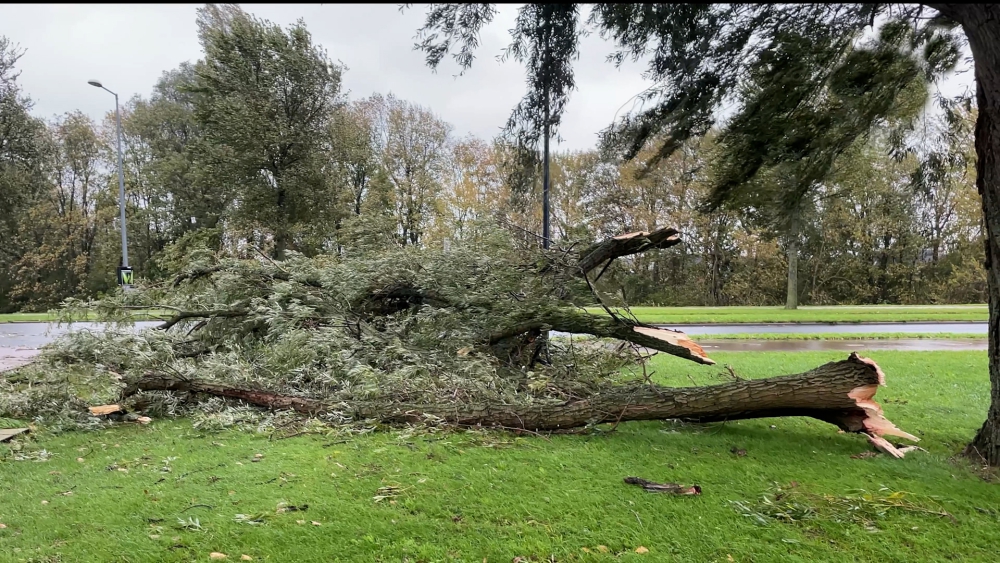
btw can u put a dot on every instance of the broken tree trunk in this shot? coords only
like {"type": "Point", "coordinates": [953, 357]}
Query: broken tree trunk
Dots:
{"type": "Point", "coordinates": [671, 342]}
{"type": "Point", "coordinates": [606, 251]}
{"type": "Point", "coordinates": [840, 393]}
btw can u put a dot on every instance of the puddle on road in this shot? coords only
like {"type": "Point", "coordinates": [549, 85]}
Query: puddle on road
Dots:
{"type": "Point", "coordinates": [19, 342]}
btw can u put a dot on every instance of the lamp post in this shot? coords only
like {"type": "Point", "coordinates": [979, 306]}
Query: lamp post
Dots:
{"type": "Point", "coordinates": [125, 273]}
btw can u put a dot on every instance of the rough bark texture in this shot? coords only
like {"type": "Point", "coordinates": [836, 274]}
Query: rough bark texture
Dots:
{"type": "Point", "coordinates": [605, 252]}
{"type": "Point", "coordinates": [669, 341]}
{"type": "Point", "coordinates": [840, 393]}
{"type": "Point", "coordinates": [981, 23]}
{"type": "Point", "coordinates": [792, 297]}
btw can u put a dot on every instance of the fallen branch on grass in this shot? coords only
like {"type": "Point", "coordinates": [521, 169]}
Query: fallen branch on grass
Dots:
{"type": "Point", "coordinates": [840, 393]}
{"type": "Point", "coordinates": [672, 488]}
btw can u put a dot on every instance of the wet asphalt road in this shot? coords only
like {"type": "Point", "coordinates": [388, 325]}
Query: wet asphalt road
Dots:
{"type": "Point", "coordinates": [20, 341]}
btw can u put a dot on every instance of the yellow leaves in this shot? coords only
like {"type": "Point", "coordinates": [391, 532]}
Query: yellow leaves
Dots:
{"type": "Point", "coordinates": [217, 555]}
{"type": "Point", "coordinates": [641, 550]}
{"type": "Point", "coordinates": [245, 557]}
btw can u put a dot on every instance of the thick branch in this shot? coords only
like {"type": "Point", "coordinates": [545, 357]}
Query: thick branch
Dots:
{"type": "Point", "coordinates": [669, 341]}
{"type": "Point", "coordinates": [182, 315]}
{"type": "Point", "coordinates": [625, 245]}
{"type": "Point", "coordinates": [840, 393]}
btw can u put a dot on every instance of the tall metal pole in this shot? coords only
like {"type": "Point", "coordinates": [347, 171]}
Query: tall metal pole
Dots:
{"type": "Point", "coordinates": [545, 178]}
{"type": "Point", "coordinates": [121, 184]}
{"type": "Point", "coordinates": [545, 157]}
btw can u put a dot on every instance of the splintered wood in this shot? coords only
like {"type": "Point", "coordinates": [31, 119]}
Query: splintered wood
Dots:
{"type": "Point", "coordinates": [8, 433]}
{"type": "Point", "coordinates": [104, 410]}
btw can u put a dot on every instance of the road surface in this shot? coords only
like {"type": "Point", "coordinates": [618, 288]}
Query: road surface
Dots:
{"type": "Point", "coordinates": [19, 342]}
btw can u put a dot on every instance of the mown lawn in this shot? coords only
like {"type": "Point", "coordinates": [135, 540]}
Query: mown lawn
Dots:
{"type": "Point", "coordinates": [52, 317]}
{"type": "Point", "coordinates": [26, 317]}
{"type": "Point", "coordinates": [832, 314]}
{"type": "Point", "coordinates": [117, 495]}
{"type": "Point", "coordinates": [840, 336]}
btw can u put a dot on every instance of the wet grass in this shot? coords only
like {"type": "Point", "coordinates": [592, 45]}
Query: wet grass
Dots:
{"type": "Point", "coordinates": [53, 317]}
{"type": "Point", "coordinates": [841, 336]}
{"type": "Point", "coordinates": [27, 317]}
{"type": "Point", "coordinates": [118, 495]}
{"type": "Point", "coordinates": [831, 314]}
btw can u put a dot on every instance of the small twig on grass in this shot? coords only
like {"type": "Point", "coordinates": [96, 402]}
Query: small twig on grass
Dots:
{"type": "Point", "coordinates": [672, 488]}
{"type": "Point", "coordinates": [208, 506]}
{"type": "Point", "coordinates": [506, 428]}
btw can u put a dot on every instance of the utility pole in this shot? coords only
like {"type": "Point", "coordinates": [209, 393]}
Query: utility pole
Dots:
{"type": "Point", "coordinates": [124, 272]}
{"type": "Point", "coordinates": [546, 240]}
{"type": "Point", "coordinates": [545, 175]}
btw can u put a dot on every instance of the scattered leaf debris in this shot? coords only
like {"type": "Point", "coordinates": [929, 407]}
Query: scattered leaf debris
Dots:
{"type": "Point", "coordinates": [672, 488]}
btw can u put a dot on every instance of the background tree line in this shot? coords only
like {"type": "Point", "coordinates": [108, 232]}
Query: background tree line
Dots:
{"type": "Point", "coordinates": [255, 149]}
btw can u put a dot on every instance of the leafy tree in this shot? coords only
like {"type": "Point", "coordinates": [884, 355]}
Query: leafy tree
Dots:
{"type": "Point", "coordinates": [60, 231]}
{"type": "Point", "coordinates": [412, 145]}
{"type": "Point", "coordinates": [22, 158]}
{"type": "Point", "coordinates": [700, 56]}
{"type": "Point", "coordinates": [264, 97]}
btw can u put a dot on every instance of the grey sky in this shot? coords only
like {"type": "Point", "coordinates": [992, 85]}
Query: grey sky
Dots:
{"type": "Point", "coordinates": [129, 46]}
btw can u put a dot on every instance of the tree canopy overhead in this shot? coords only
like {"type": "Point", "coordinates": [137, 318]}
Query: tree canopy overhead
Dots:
{"type": "Point", "coordinates": [806, 80]}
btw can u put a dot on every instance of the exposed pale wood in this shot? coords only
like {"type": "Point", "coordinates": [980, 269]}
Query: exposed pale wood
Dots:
{"type": "Point", "coordinates": [8, 433]}
{"type": "Point", "coordinates": [625, 245]}
{"type": "Point", "coordinates": [105, 410]}
{"type": "Point", "coordinates": [669, 341]}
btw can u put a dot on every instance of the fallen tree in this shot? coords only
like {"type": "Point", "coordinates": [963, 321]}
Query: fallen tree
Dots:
{"type": "Point", "coordinates": [837, 392]}
{"type": "Point", "coordinates": [404, 335]}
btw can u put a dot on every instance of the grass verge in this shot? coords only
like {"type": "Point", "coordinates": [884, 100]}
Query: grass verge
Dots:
{"type": "Point", "coordinates": [832, 314]}
{"type": "Point", "coordinates": [52, 317]}
{"type": "Point", "coordinates": [172, 492]}
{"type": "Point", "coordinates": [840, 336]}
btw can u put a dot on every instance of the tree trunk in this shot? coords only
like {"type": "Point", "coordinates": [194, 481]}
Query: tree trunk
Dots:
{"type": "Point", "coordinates": [672, 342]}
{"type": "Point", "coordinates": [840, 393]}
{"type": "Point", "coordinates": [981, 23]}
{"type": "Point", "coordinates": [604, 252]}
{"type": "Point", "coordinates": [792, 298]}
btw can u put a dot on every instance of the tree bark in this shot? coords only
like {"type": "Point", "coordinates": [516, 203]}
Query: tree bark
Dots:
{"type": "Point", "coordinates": [840, 393]}
{"type": "Point", "coordinates": [981, 23]}
{"type": "Point", "coordinates": [672, 342]}
{"type": "Point", "coordinates": [792, 295]}
{"type": "Point", "coordinates": [606, 251]}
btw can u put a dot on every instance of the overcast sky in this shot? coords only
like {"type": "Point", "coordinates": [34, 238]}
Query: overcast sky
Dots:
{"type": "Point", "coordinates": [129, 46]}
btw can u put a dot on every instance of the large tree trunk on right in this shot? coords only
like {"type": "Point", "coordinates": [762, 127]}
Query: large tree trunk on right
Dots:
{"type": "Point", "coordinates": [981, 23]}
{"type": "Point", "coordinates": [982, 26]}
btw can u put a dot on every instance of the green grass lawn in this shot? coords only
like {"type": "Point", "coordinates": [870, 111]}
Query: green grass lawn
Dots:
{"type": "Point", "coordinates": [26, 317]}
{"type": "Point", "coordinates": [117, 495]}
{"type": "Point", "coordinates": [831, 314]}
{"type": "Point", "coordinates": [839, 336]}
{"type": "Point", "coordinates": [52, 317]}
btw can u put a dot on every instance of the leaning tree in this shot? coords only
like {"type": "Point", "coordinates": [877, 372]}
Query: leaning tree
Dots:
{"type": "Point", "coordinates": [701, 56]}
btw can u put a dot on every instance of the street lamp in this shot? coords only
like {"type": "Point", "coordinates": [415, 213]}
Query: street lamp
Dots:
{"type": "Point", "coordinates": [124, 272]}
